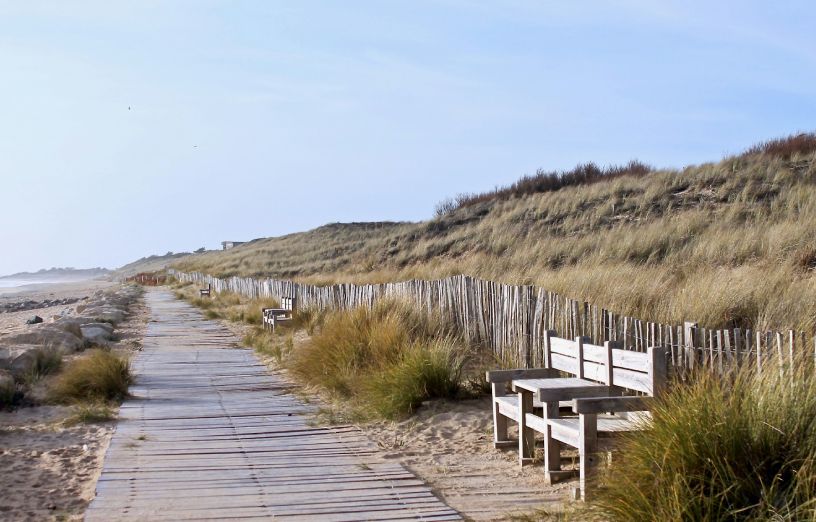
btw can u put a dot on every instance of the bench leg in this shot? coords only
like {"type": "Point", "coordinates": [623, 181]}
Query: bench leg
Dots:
{"type": "Point", "coordinates": [587, 449]}
{"type": "Point", "coordinates": [552, 448]}
{"type": "Point", "coordinates": [526, 435]}
{"type": "Point", "coordinates": [500, 438]}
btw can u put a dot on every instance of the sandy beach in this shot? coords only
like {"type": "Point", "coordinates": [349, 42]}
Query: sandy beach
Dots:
{"type": "Point", "coordinates": [49, 461]}
{"type": "Point", "coordinates": [11, 322]}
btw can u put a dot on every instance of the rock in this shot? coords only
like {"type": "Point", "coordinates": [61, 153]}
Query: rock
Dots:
{"type": "Point", "coordinates": [47, 336]}
{"type": "Point", "coordinates": [96, 335]}
{"type": "Point", "coordinates": [9, 353]}
{"type": "Point", "coordinates": [35, 320]}
{"type": "Point", "coordinates": [80, 308]}
{"type": "Point", "coordinates": [71, 325]}
{"type": "Point", "coordinates": [23, 363]}
{"type": "Point", "coordinates": [105, 314]}
{"type": "Point", "coordinates": [106, 326]}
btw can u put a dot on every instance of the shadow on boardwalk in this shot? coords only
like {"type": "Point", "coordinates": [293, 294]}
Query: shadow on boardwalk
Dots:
{"type": "Point", "coordinates": [209, 434]}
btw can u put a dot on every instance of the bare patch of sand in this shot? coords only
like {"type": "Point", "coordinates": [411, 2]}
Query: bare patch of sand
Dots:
{"type": "Point", "coordinates": [449, 444]}
{"type": "Point", "coordinates": [49, 468]}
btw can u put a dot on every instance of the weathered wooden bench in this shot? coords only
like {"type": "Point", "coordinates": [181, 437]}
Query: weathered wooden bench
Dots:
{"type": "Point", "coordinates": [601, 375]}
{"type": "Point", "coordinates": [205, 291]}
{"type": "Point", "coordinates": [271, 317]}
{"type": "Point", "coordinates": [506, 404]}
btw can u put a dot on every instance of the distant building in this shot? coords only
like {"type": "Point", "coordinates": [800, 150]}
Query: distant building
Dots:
{"type": "Point", "coordinates": [231, 244]}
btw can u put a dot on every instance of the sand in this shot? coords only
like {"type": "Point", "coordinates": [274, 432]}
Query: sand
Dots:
{"type": "Point", "coordinates": [13, 322]}
{"type": "Point", "coordinates": [449, 445]}
{"type": "Point", "coordinates": [49, 468]}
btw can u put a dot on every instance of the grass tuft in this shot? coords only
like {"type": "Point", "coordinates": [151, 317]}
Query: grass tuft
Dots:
{"type": "Point", "coordinates": [742, 448]}
{"type": "Point", "coordinates": [10, 394]}
{"type": "Point", "coordinates": [46, 362]}
{"type": "Point", "coordinates": [96, 376]}
{"type": "Point", "coordinates": [388, 359]}
{"type": "Point", "coordinates": [91, 412]}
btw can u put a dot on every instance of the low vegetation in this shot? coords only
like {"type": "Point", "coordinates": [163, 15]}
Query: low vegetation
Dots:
{"type": "Point", "coordinates": [45, 361]}
{"type": "Point", "coordinates": [91, 412]}
{"type": "Point", "coordinates": [98, 375]}
{"type": "Point", "coordinates": [9, 393]}
{"type": "Point", "coordinates": [726, 244]}
{"type": "Point", "coordinates": [742, 448]}
{"type": "Point", "coordinates": [387, 359]}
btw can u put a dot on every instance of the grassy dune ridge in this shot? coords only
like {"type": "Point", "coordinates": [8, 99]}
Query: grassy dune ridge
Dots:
{"type": "Point", "coordinates": [727, 244]}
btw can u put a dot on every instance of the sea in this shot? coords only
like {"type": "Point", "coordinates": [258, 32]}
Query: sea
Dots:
{"type": "Point", "coordinates": [14, 283]}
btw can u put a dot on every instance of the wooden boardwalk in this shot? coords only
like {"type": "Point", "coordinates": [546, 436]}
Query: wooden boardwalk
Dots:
{"type": "Point", "coordinates": [210, 434]}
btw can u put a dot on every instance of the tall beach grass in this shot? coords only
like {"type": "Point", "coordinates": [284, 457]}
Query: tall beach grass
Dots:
{"type": "Point", "coordinates": [387, 359]}
{"type": "Point", "coordinates": [735, 448]}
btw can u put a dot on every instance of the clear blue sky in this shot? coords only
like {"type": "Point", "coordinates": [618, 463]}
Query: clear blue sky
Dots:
{"type": "Point", "coordinates": [251, 119]}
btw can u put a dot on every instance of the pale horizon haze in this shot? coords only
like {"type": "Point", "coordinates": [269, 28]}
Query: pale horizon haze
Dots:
{"type": "Point", "coordinates": [132, 128]}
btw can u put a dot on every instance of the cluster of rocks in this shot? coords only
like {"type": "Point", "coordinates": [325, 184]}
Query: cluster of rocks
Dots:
{"type": "Point", "coordinates": [22, 306]}
{"type": "Point", "coordinates": [88, 324]}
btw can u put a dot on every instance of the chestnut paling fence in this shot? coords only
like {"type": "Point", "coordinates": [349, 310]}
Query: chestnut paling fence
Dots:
{"type": "Point", "coordinates": [511, 320]}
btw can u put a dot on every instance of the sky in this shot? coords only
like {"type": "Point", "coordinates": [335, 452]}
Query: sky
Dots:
{"type": "Point", "coordinates": [132, 128]}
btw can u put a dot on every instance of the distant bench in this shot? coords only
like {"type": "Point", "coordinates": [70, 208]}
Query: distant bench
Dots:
{"type": "Point", "coordinates": [272, 316]}
{"type": "Point", "coordinates": [602, 374]}
{"type": "Point", "coordinates": [205, 291]}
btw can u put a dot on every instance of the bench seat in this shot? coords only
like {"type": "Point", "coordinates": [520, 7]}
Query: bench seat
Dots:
{"type": "Point", "coordinates": [508, 405]}
{"type": "Point", "coordinates": [568, 429]}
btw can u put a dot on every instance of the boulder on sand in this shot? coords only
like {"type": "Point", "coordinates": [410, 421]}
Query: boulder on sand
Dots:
{"type": "Point", "coordinates": [35, 320]}
{"type": "Point", "coordinates": [105, 314]}
{"type": "Point", "coordinates": [14, 358]}
{"type": "Point", "coordinates": [97, 334]}
{"type": "Point", "coordinates": [47, 336]}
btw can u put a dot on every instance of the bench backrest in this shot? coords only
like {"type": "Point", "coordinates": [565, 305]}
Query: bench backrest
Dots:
{"type": "Point", "coordinates": [609, 364]}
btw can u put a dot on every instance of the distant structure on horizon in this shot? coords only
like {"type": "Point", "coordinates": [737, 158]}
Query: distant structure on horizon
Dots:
{"type": "Point", "coordinates": [226, 245]}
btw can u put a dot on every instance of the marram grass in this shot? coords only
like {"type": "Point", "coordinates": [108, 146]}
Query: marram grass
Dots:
{"type": "Point", "coordinates": [98, 375]}
{"type": "Point", "coordinates": [738, 448]}
{"type": "Point", "coordinates": [386, 360]}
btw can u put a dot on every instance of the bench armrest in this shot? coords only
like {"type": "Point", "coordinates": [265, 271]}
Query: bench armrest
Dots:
{"type": "Point", "coordinates": [274, 310]}
{"type": "Point", "coordinates": [604, 404]}
{"type": "Point", "coordinates": [496, 376]}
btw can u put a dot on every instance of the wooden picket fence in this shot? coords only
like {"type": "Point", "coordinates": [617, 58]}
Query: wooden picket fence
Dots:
{"type": "Point", "coordinates": [511, 320]}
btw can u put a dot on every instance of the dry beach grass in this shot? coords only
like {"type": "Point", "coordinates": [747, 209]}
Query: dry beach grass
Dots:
{"type": "Point", "coordinates": [724, 244]}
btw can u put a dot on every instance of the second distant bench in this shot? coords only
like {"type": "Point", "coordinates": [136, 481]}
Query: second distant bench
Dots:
{"type": "Point", "coordinates": [271, 317]}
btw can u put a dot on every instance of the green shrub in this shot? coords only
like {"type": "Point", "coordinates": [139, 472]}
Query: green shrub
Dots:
{"type": "Point", "coordinates": [741, 448]}
{"type": "Point", "coordinates": [387, 359]}
{"type": "Point", "coordinates": [96, 376]}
